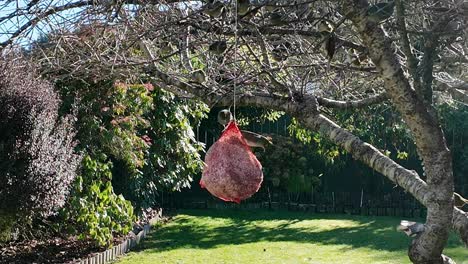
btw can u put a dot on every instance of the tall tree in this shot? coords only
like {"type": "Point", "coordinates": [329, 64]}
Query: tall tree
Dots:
{"type": "Point", "coordinates": [300, 57]}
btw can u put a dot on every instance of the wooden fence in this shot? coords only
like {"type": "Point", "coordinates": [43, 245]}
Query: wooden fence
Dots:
{"type": "Point", "coordinates": [393, 204]}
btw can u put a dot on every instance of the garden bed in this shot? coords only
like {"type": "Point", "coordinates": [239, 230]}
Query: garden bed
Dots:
{"type": "Point", "coordinates": [72, 250]}
{"type": "Point", "coordinates": [55, 250]}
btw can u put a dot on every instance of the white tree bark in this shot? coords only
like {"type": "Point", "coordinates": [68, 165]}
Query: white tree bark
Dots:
{"type": "Point", "coordinates": [428, 136]}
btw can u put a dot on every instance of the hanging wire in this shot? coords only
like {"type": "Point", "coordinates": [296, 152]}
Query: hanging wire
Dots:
{"type": "Point", "coordinates": [235, 57]}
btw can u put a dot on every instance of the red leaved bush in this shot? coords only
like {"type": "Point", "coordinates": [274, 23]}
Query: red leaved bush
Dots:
{"type": "Point", "coordinates": [37, 159]}
{"type": "Point", "coordinates": [232, 172]}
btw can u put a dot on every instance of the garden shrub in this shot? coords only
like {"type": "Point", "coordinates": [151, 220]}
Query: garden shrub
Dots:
{"type": "Point", "coordinates": [37, 158]}
{"type": "Point", "coordinates": [173, 154]}
{"type": "Point", "coordinates": [94, 211]}
{"type": "Point", "coordinates": [139, 141]}
{"type": "Point", "coordinates": [291, 166]}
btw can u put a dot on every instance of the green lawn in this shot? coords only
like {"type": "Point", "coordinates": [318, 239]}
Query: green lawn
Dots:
{"type": "Point", "coordinates": [248, 236]}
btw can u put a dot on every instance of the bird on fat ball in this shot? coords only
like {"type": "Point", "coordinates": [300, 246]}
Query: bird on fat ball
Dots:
{"type": "Point", "coordinates": [252, 139]}
{"type": "Point", "coordinates": [224, 117]}
{"type": "Point", "coordinates": [255, 140]}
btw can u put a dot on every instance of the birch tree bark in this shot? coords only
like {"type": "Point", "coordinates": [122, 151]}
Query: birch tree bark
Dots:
{"type": "Point", "coordinates": [427, 133]}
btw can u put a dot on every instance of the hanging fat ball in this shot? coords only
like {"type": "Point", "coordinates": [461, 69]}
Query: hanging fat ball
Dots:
{"type": "Point", "coordinates": [459, 201]}
{"type": "Point", "coordinates": [214, 9]}
{"type": "Point", "coordinates": [411, 229]}
{"type": "Point", "coordinates": [381, 11]}
{"type": "Point", "coordinates": [218, 47]}
{"type": "Point", "coordinates": [198, 76]}
{"type": "Point", "coordinates": [255, 140]}
{"type": "Point", "coordinates": [231, 171]}
{"type": "Point", "coordinates": [224, 117]}
{"type": "Point", "coordinates": [243, 7]}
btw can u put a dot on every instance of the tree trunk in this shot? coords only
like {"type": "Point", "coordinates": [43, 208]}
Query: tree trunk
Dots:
{"type": "Point", "coordinates": [428, 135]}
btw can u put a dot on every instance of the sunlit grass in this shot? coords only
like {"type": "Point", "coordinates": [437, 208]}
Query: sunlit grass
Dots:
{"type": "Point", "coordinates": [248, 236]}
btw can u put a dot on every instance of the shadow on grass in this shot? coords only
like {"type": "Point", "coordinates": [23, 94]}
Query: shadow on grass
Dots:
{"type": "Point", "coordinates": [213, 228]}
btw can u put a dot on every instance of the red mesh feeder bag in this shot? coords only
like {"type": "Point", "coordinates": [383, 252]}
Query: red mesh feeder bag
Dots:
{"type": "Point", "coordinates": [232, 172]}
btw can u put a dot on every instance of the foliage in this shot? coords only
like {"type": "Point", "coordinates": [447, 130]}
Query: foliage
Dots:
{"type": "Point", "coordinates": [291, 165]}
{"type": "Point", "coordinates": [139, 140]}
{"type": "Point", "coordinates": [37, 158]}
{"type": "Point", "coordinates": [302, 134]}
{"type": "Point", "coordinates": [380, 125]}
{"type": "Point", "coordinates": [124, 125]}
{"type": "Point", "coordinates": [94, 210]}
{"type": "Point", "coordinates": [453, 119]}
{"type": "Point", "coordinates": [173, 155]}
{"type": "Point", "coordinates": [246, 115]}
{"type": "Point", "coordinates": [108, 115]}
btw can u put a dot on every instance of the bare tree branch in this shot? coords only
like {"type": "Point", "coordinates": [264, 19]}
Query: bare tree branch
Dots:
{"type": "Point", "coordinates": [449, 82]}
{"type": "Point", "coordinates": [41, 16]}
{"type": "Point", "coordinates": [352, 104]}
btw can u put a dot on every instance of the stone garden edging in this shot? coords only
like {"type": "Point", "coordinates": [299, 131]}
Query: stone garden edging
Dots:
{"type": "Point", "coordinates": [112, 253]}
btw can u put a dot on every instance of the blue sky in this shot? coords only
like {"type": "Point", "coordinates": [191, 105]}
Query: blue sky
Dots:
{"type": "Point", "coordinates": [9, 26]}
{"type": "Point", "coordinates": [56, 21]}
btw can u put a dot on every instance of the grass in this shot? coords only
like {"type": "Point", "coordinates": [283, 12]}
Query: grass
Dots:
{"type": "Point", "coordinates": [252, 236]}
